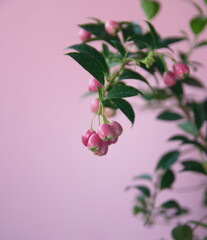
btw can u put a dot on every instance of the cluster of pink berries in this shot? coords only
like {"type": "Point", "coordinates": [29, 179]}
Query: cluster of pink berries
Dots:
{"type": "Point", "coordinates": [98, 142]}
{"type": "Point", "coordinates": [111, 27]}
{"type": "Point", "coordinates": [180, 71]}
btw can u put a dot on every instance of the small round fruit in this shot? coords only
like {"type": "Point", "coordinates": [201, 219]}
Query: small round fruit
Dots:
{"type": "Point", "coordinates": [93, 84]}
{"type": "Point", "coordinates": [117, 128]}
{"type": "Point", "coordinates": [181, 70]}
{"type": "Point", "coordinates": [109, 112]}
{"type": "Point", "coordinates": [95, 105]}
{"type": "Point", "coordinates": [94, 142]}
{"type": "Point", "coordinates": [106, 132]}
{"type": "Point", "coordinates": [169, 78]}
{"type": "Point", "coordinates": [111, 27]}
{"type": "Point", "coordinates": [86, 135]}
{"type": "Point", "coordinates": [113, 141]}
{"type": "Point", "coordinates": [84, 35]}
{"type": "Point", "coordinates": [103, 149]}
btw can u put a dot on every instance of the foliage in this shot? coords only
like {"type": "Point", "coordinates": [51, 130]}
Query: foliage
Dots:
{"type": "Point", "coordinates": [123, 55]}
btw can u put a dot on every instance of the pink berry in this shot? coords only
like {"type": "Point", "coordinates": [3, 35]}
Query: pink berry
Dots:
{"type": "Point", "coordinates": [84, 35]}
{"type": "Point", "coordinates": [95, 105]}
{"type": "Point", "coordinates": [113, 141]}
{"type": "Point", "coordinates": [93, 84]}
{"type": "Point", "coordinates": [117, 128]}
{"type": "Point", "coordinates": [169, 78]}
{"type": "Point", "coordinates": [86, 135]}
{"type": "Point", "coordinates": [181, 70]}
{"type": "Point", "coordinates": [94, 142]}
{"type": "Point", "coordinates": [106, 132]}
{"type": "Point", "coordinates": [109, 112]}
{"type": "Point", "coordinates": [111, 27]}
{"type": "Point", "coordinates": [103, 149]}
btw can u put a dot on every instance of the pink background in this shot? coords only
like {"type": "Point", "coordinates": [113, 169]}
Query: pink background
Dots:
{"type": "Point", "coordinates": [51, 187]}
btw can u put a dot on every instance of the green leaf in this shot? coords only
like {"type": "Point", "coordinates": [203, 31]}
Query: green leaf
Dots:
{"type": "Point", "coordinates": [169, 116]}
{"type": "Point", "coordinates": [183, 232]}
{"type": "Point", "coordinates": [192, 82]}
{"type": "Point", "coordinates": [119, 47]}
{"type": "Point", "coordinates": [155, 36]}
{"type": "Point", "coordinates": [121, 91]}
{"type": "Point", "coordinates": [145, 190]}
{"type": "Point", "coordinates": [198, 223]}
{"type": "Point", "coordinates": [193, 166]}
{"type": "Point", "coordinates": [168, 160]}
{"type": "Point", "coordinates": [177, 89]}
{"type": "Point", "coordinates": [205, 1]}
{"type": "Point", "coordinates": [151, 8]}
{"type": "Point", "coordinates": [89, 65]}
{"type": "Point", "coordinates": [201, 44]}
{"type": "Point", "coordinates": [108, 103]}
{"type": "Point", "coordinates": [186, 141]}
{"type": "Point", "coordinates": [170, 204]}
{"type": "Point", "coordinates": [125, 107]}
{"type": "Point", "coordinates": [157, 94]}
{"type": "Point", "coordinates": [143, 176]}
{"type": "Point", "coordinates": [179, 138]}
{"type": "Point", "coordinates": [164, 42]}
{"type": "Point", "coordinates": [93, 53]}
{"type": "Point", "coordinates": [189, 128]}
{"type": "Point", "coordinates": [129, 74]}
{"type": "Point", "coordinates": [136, 210]}
{"type": "Point", "coordinates": [106, 51]}
{"type": "Point", "coordinates": [198, 24]}
{"type": "Point", "coordinates": [130, 29]}
{"type": "Point", "coordinates": [99, 31]}
{"type": "Point", "coordinates": [167, 179]}
{"type": "Point", "coordinates": [199, 114]}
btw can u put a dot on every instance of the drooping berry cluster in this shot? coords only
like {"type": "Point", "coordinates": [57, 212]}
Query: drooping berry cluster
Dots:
{"type": "Point", "coordinates": [180, 71]}
{"type": "Point", "coordinates": [98, 142]}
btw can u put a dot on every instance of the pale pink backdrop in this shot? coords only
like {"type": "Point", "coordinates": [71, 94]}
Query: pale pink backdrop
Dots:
{"type": "Point", "coordinates": [51, 187]}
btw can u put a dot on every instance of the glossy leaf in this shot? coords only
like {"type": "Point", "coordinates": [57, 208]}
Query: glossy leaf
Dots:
{"type": "Point", "coordinates": [201, 44]}
{"type": "Point", "coordinates": [125, 107]}
{"type": "Point", "coordinates": [155, 36]}
{"type": "Point", "coordinates": [93, 53]}
{"type": "Point", "coordinates": [189, 128]}
{"type": "Point", "coordinates": [183, 232]}
{"type": "Point", "coordinates": [198, 223]}
{"type": "Point", "coordinates": [89, 64]}
{"type": "Point", "coordinates": [169, 116]}
{"type": "Point", "coordinates": [130, 29]}
{"type": "Point", "coordinates": [105, 49]}
{"type": "Point", "coordinates": [163, 43]}
{"type": "Point", "coordinates": [199, 114]}
{"type": "Point", "coordinates": [170, 204]}
{"type": "Point", "coordinates": [186, 141]}
{"type": "Point", "coordinates": [108, 103]}
{"type": "Point", "coordinates": [99, 31]}
{"type": "Point", "coordinates": [121, 91]}
{"type": "Point", "coordinates": [119, 47]}
{"type": "Point", "coordinates": [145, 190]}
{"type": "Point", "coordinates": [168, 160]}
{"type": "Point", "coordinates": [193, 166]}
{"type": "Point", "coordinates": [143, 176]}
{"type": "Point", "coordinates": [198, 24]}
{"type": "Point", "coordinates": [136, 210]}
{"type": "Point", "coordinates": [177, 89]}
{"type": "Point", "coordinates": [151, 8]}
{"type": "Point", "coordinates": [167, 179]}
{"type": "Point", "coordinates": [191, 81]}
{"type": "Point", "coordinates": [129, 74]}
